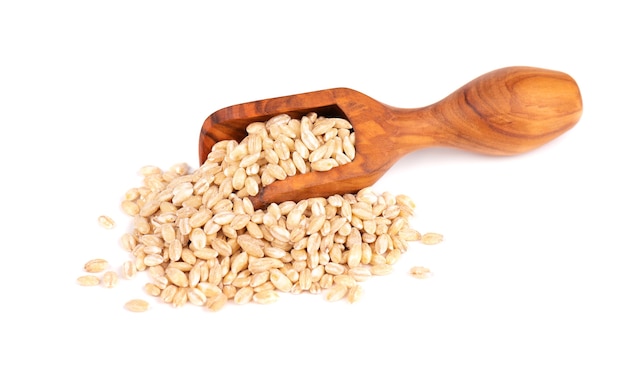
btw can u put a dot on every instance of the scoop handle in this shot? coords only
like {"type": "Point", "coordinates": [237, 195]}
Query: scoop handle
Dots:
{"type": "Point", "coordinates": [504, 112]}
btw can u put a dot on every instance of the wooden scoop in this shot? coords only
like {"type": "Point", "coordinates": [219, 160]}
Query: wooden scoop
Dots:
{"type": "Point", "coordinates": [504, 112]}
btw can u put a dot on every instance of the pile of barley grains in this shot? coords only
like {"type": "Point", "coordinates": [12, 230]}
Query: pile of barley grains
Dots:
{"type": "Point", "coordinates": [202, 242]}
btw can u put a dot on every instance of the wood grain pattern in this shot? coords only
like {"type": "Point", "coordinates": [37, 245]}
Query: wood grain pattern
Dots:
{"type": "Point", "coordinates": [504, 112]}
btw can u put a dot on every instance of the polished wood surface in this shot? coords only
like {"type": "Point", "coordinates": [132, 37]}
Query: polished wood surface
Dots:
{"type": "Point", "coordinates": [504, 112]}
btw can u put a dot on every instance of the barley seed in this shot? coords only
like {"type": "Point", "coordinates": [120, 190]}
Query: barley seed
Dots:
{"type": "Point", "coordinates": [180, 297]}
{"type": "Point", "coordinates": [106, 222]}
{"type": "Point", "coordinates": [176, 276]}
{"type": "Point", "coordinates": [335, 268]}
{"type": "Point", "coordinates": [241, 282]}
{"type": "Point", "coordinates": [420, 272]}
{"type": "Point", "coordinates": [243, 295]}
{"type": "Point", "coordinates": [259, 279]}
{"type": "Point", "coordinates": [381, 269]}
{"type": "Point", "coordinates": [264, 264]}
{"type": "Point", "coordinates": [393, 256]}
{"type": "Point", "coordinates": [88, 280]}
{"type": "Point", "coordinates": [130, 207]}
{"type": "Point", "coordinates": [280, 281]}
{"type": "Point", "coordinates": [129, 270]}
{"type": "Point", "coordinates": [210, 290]}
{"type": "Point", "coordinates": [316, 288]}
{"type": "Point", "coordinates": [355, 293]}
{"type": "Point", "coordinates": [345, 279]}
{"type": "Point", "coordinates": [128, 242]}
{"type": "Point", "coordinates": [432, 238]}
{"type": "Point", "coordinates": [326, 281]}
{"type": "Point", "coordinates": [378, 259]}
{"type": "Point", "coordinates": [265, 297]}
{"type": "Point", "coordinates": [409, 234]}
{"type": "Point", "coordinates": [152, 289]}
{"type": "Point", "coordinates": [324, 165]}
{"type": "Point", "coordinates": [153, 260]}
{"type": "Point", "coordinates": [137, 305]}
{"type": "Point", "coordinates": [109, 279]}
{"type": "Point", "coordinates": [96, 265]}
{"type": "Point", "coordinates": [336, 292]}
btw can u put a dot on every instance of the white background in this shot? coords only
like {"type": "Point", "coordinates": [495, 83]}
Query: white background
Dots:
{"type": "Point", "coordinates": [531, 275]}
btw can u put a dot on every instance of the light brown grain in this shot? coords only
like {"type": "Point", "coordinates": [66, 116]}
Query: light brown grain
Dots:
{"type": "Point", "coordinates": [96, 265]}
{"type": "Point", "coordinates": [176, 276]}
{"type": "Point", "coordinates": [109, 279]}
{"type": "Point", "coordinates": [355, 293]}
{"type": "Point", "coordinates": [336, 292]}
{"type": "Point", "coordinates": [381, 269]}
{"type": "Point", "coordinates": [431, 238]}
{"type": "Point", "coordinates": [265, 297]}
{"type": "Point", "coordinates": [106, 222]}
{"type": "Point", "coordinates": [88, 280]}
{"type": "Point", "coordinates": [152, 289]}
{"type": "Point", "coordinates": [420, 272]}
{"type": "Point", "coordinates": [137, 305]}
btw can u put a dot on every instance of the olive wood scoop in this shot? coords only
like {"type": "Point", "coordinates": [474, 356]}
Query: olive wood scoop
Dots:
{"type": "Point", "coordinates": [504, 112]}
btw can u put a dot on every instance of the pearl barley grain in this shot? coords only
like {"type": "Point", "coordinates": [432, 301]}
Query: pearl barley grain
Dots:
{"type": "Point", "coordinates": [106, 222]}
{"type": "Point", "coordinates": [88, 280]}
{"type": "Point", "coordinates": [96, 265]}
{"type": "Point", "coordinates": [109, 279]}
{"type": "Point", "coordinates": [420, 272]}
{"type": "Point", "coordinates": [137, 305]}
{"type": "Point", "coordinates": [431, 238]}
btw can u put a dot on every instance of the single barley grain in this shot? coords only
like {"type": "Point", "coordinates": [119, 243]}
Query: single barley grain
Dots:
{"type": "Point", "coordinates": [196, 297]}
{"type": "Point", "coordinates": [360, 274]}
{"type": "Point", "coordinates": [147, 170]}
{"type": "Point", "coordinates": [243, 295]}
{"type": "Point", "coordinates": [168, 293]}
{"type": "Point", "coordinates": [106, 222]}
{"type": "Point", "coordinates": [129, 270]}
{"type": "Point", "coordinates": [420, 272]}
{"type": "Point", "coordinates": [335, 268]}
{"type": "Point", "coordinates": [432, 238]}
{"type": "Point", "coordinates": [137, 305]}
{"type": "Point", "coordinates": [264, 287]}
{"type": "Point", "coordinates": [188, 257]}
{"type": "Point", "coordinates": [409, 234]}
{"type": "Point", "coordinates": [316, 288]}
{"type": "Point", "coordinates": [280, 281]}
{"type": "Point", "coordinates": [130, 207]}
{"type": "Point", "coordinates": [149, 208]}
{"type": "Point", "coordinates": [128, 242]}
{"type": "Point", "coordinates": [176, 276]}
{"type": "Point", "coordinates": [180, 297]}
{"type": "Point", "coordinates": [393, 256]}
{"type": "Point", "coordinates": [216, 303]}
{"type": "Point", "coordinates": [381, 269]}
{"type": "Point", "coordinates": [210, 290]}
{"type": "Point", "coordinates": [152, 289]}
{"type": "Point", "coordinates": [355, 293]}
{"type": "Point", "coordinates": [109, 279]}
{"type": "Point", "coordinates": [153, 260]}
{"type": "Point", "coordinates": [161, 282]}
{"type": "Point", "coordinates": [88, 280]}
{"type": "Point", "coordinates": [265, 297]}
{"type": "Point", "coordinates": [336, 292]}
{"type": "Point", "coordinates": [326, 281]}
{"type": "Point", "coordinates": [229, 291]}
{"type": "Point", "coordinates": [96, 265]}
{"type": "Point", "coordinates": [151, 249]}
